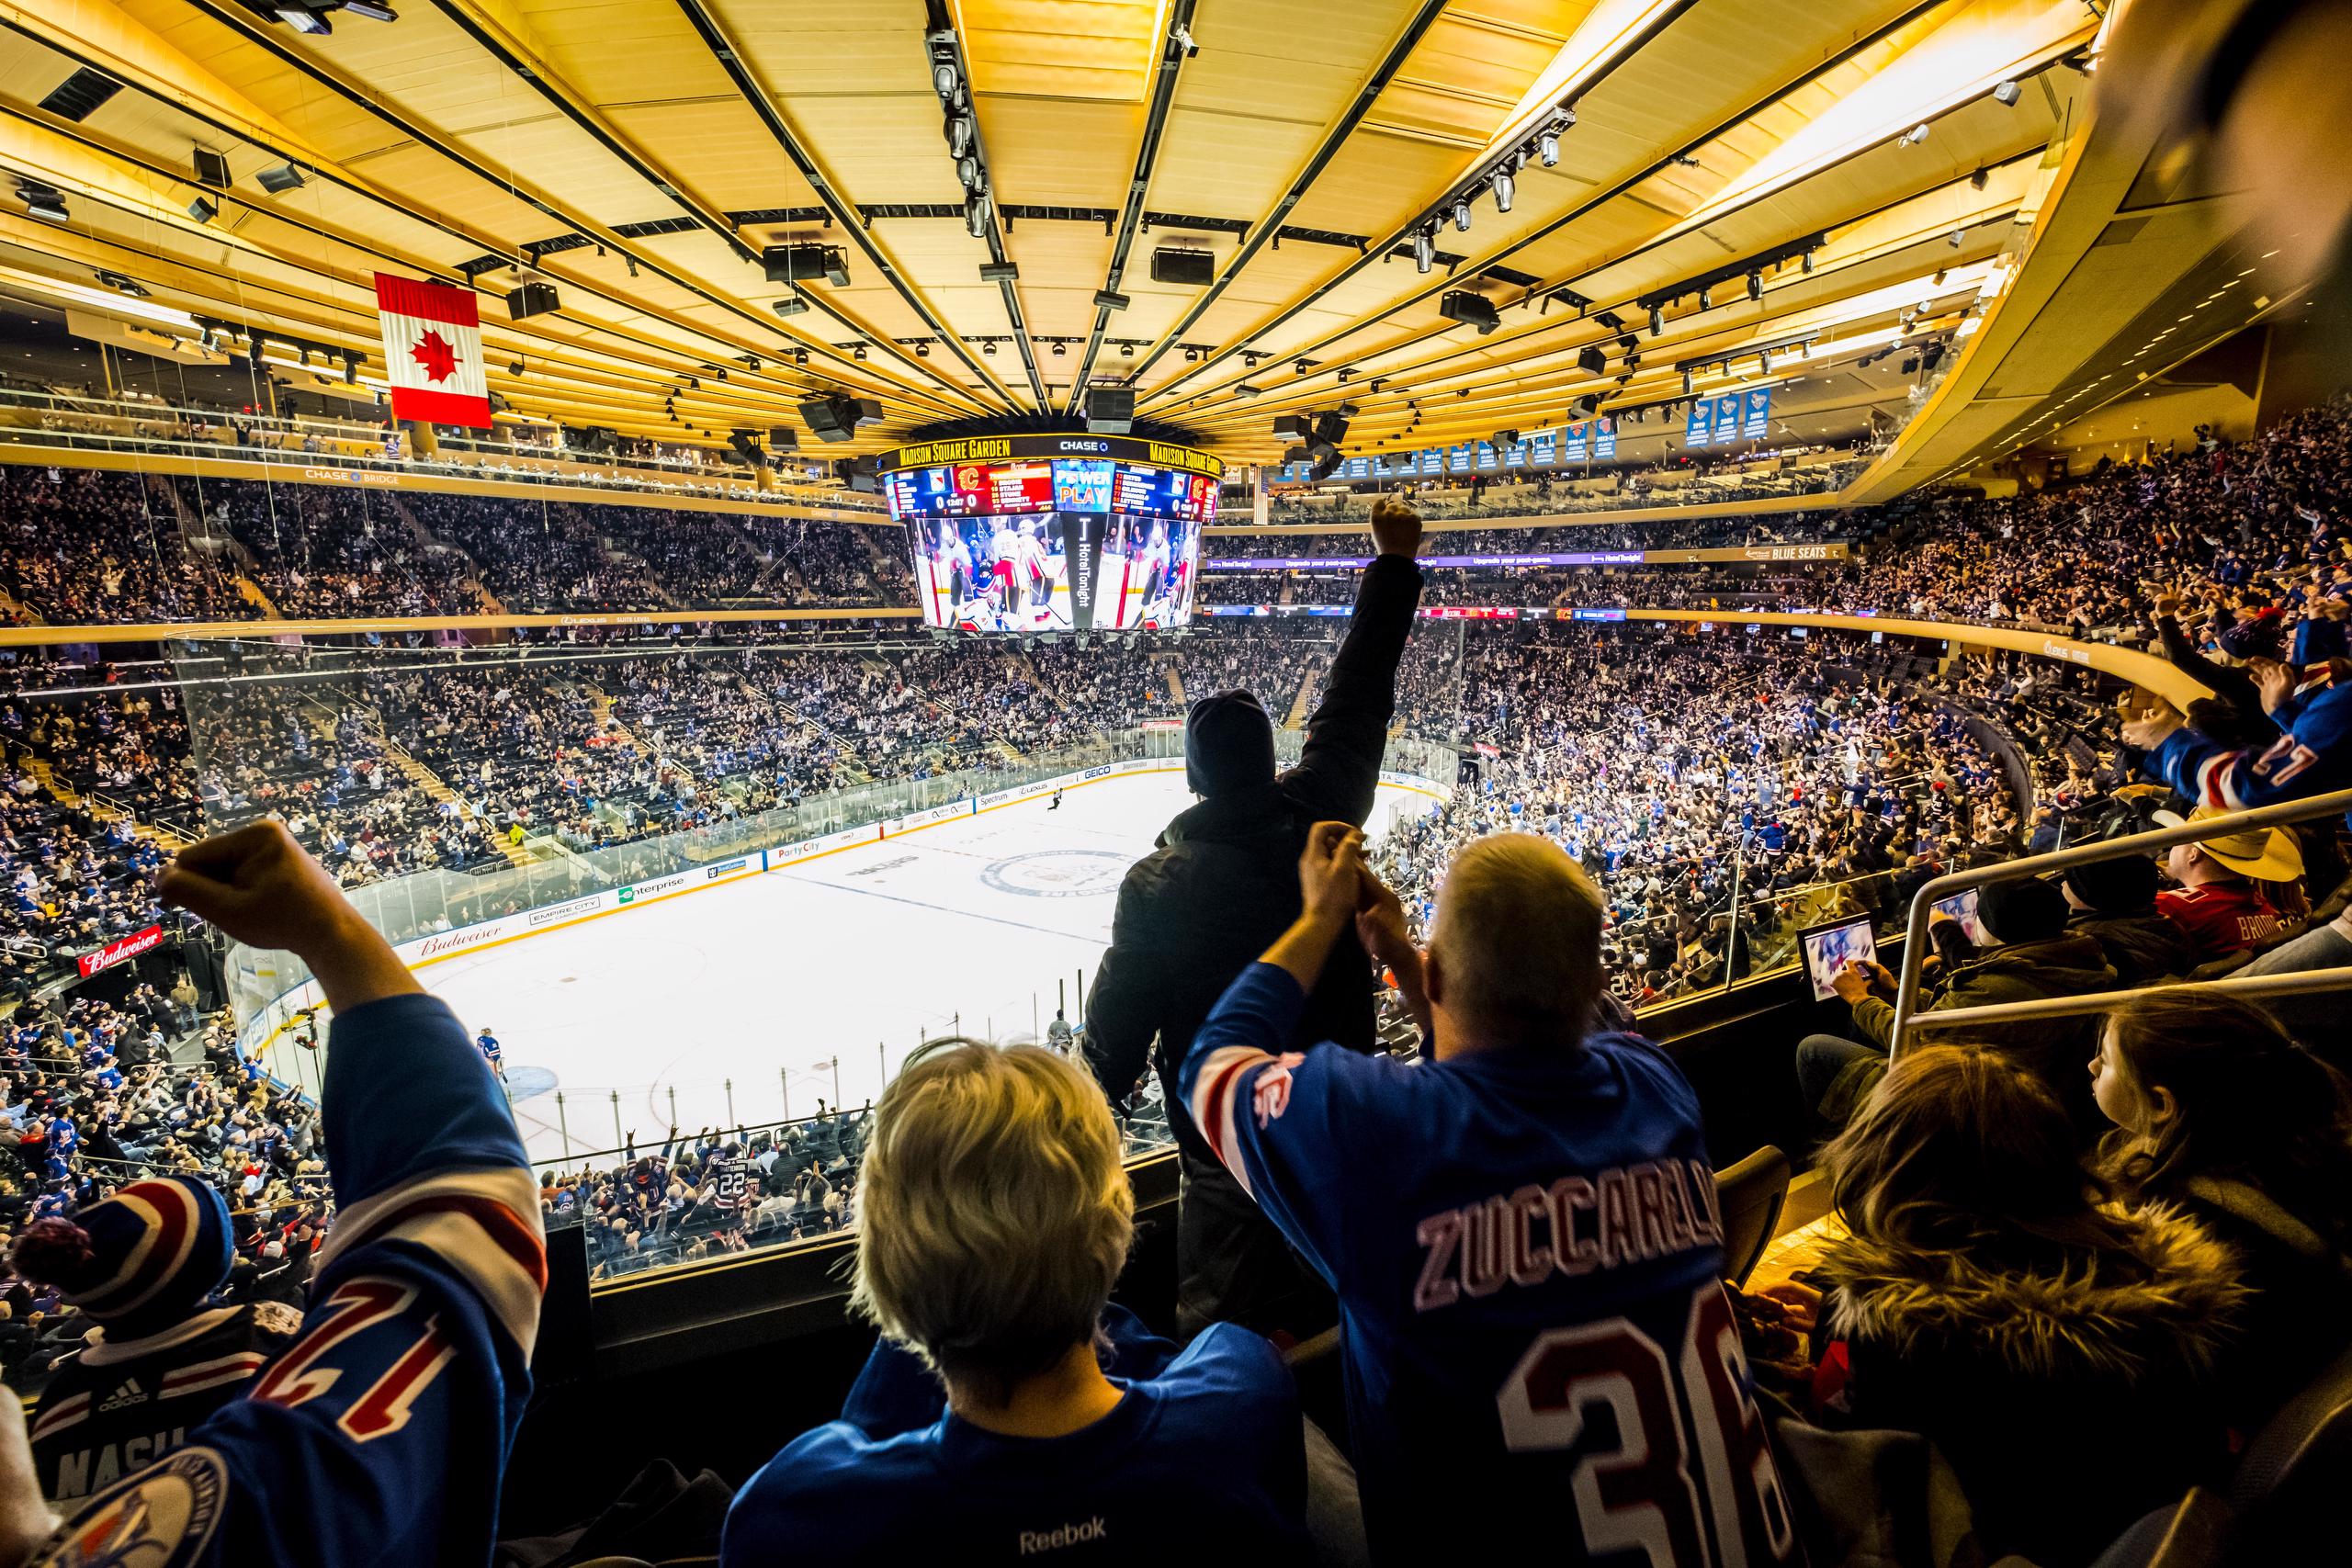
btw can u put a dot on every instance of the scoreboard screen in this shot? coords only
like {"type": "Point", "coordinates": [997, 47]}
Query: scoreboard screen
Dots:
{"type": "Point", "coordinates": [1054, 544]}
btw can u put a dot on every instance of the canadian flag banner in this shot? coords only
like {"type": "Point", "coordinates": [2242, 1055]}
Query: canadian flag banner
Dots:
{"type": "Point", "coordinates": [432, 351]}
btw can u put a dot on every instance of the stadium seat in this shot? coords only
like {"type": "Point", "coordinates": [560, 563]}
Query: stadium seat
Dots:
{"type": "Point", "coordinates": [2191, 1533]}
{"type": "Point", "coordinates": [1749, 1197]}
{"type": "Point", "coordinates": [2288, 1490]}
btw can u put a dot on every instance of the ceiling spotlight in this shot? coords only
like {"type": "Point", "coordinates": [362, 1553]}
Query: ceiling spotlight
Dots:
{"type": "Point", "coordinates": [1916, 135]}
{"type": "Point", "coordinates": [975, 216]}
{"type": "Point", "coordinates": [1764, 359]}
{"type": "Point", "coordinates": [371, 9]}
{"type": "Point", "coordinates": [800, 356]}
{"type": "Point", "coordinates": [632, 264]}
{"type": "Point", "coordinates": [1547, 149]}
{"type": "Point", "coordinates": [1300, 367]}
{"type": "Point", "coordinates": [1657, 320]}
{"type": "Point", "coordinates": [202, 210]}
{"type": "Point", "coordinates": [1126, 350]}
{"type": "Point", "coordinates": [1706, 299]}
{"type": "Point", "coordinates": [1061, 349]}
{"type": "Point", "coordinates": [859, 353]}
{"type": "Point", "coordinates": [1978, 180]}
{"type": "Point", "coordinates": [1807, 261]}
{"type": "Point", "coordinates": [1756, 285]}
{"type": "Point", "coordinates": [1424, 250]}
{"type": "Point", "coordinates": [967, 169]}
{"type": "Point", "coordinates": [943, 80]}
{"type": "Point", "coordinates": [1461, 214]}
{"type": "Point", "coordinates": [959, 134]}
{"type": "Point", "coordinates": [1686, 383]}
{"type": "Point", "coordinates": [1954, 238]}
{"type": "Point", "coordinates": [988, 348]}
{"type": "Point", "coordinates": [922, 348]}
{"type": "Point", "coordinates": [1192, 355]}
{"type": "Point", "coordinates": [1938, 279]}
{"type": "Point", "coordinates": [2006, 95]}
{"type": "Point", "coordinates": [1249, 361]}
{"type": "Point", "coordinates": [42, 201]}
{"type": "Point", "coordinates": [304, 19]}
{"type": "Point", "coordinates": [1505, 188]}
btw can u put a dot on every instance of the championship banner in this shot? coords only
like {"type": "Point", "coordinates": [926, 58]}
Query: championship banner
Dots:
{"type": "Point", "coordinates": [432, 351]}
{"type": "Point", "coordinates": [1727, 418]}
{"type": "Point", "coordinates": [1604, 437]}
{"type": "Point", "coordinates": [1572, 445]}
{"type": "Point", "coordinates": [1756, 420]}
{"type": "Point", "coordinates": [1700, 430]}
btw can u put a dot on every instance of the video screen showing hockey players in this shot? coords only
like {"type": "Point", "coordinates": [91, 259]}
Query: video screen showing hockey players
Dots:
{"type": "Point", "coordinates": [1010, 573]}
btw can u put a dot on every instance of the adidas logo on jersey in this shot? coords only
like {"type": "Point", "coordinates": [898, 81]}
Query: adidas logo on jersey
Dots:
{"type": "Point", "coordinates": [128, 1393]}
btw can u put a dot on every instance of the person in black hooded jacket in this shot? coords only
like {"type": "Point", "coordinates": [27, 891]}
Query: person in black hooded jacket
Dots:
{"type": "Point", "coordinates": [1217, 890]}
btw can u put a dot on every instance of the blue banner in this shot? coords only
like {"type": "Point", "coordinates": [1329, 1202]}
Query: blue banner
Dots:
{"type": "Point", "coordinates": [1488, 458]}
{"type": "Point", "coordinates": [1515, 454]}
{"type": "Point", "coordinates": [1700, 429]}
{"type": "Point", "coordinates": [1544, 448]}
{"type": "Point", "coordinates": [1604, 437]}
{"type": "Point", "coordinates": [1727, 418]}
{"type": "Point", "coordinates": [1756, 420]}
{"type": "Point", "coordinates": [1460, 459]}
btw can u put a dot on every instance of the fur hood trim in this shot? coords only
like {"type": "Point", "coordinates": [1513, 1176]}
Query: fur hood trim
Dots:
{"type": "Point", "coordinates": [2046, 1324]}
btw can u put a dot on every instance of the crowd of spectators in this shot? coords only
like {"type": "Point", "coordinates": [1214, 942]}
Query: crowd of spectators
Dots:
{"type": "Point", "coordinates": [321, 552]}
{"type": "Point", "coordinates": [86, 547]}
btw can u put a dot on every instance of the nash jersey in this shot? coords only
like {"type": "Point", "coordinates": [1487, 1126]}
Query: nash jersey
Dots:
{"type": "Point", "coordinates": [1527, 1254]}
{"type": "Point", "coordinates": [1202, 1459]}
{"type": "Point", "coordinates": [381, 1434]}
{"type": "Point", "coordinates": [121, 1403]}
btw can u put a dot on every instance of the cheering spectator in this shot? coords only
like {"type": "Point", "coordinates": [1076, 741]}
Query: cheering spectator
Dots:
{"type": "Point", "coordinates": [2218, 1114]}
{"type": "Point", "coordinates": [383, 1436]}
{"type": "Point", "coordinates": [1008, 1411]}
{"type": "Point", "coordinates": [2061, 1353]}
{"type": "Point", "coordinates": [1192, 914]}
{"type": "Point", "coordinates": [1529, 1208]}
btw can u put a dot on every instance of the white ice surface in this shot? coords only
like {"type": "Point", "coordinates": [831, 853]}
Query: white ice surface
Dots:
{"type": "Point", "coordinates": [852, 958]}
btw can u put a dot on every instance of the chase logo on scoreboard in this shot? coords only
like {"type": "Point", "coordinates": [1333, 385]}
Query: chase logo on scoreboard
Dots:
{"type": "Point", "coordinates": [162, 1517]}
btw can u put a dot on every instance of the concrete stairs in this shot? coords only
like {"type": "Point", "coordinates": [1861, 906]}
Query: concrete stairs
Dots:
{"type": "Point", "coordinates": [1176, 684]}
{"type": "Point", "coordinates": [427, 539]}
{"type": "Point", "coordinates": [57, 790]}
{"type": "Point", "coordinates": [1299, 704]}
{"type": "Point", "coordinates": [436, 789]}
{"type": "Point", "coordinates": [251, 593]}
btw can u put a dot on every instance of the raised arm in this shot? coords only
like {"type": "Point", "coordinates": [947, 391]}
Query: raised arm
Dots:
{"type": "Point", "coordinates": [1339, 771]}
{"type": "Point", "coordinates": [381, 1434]}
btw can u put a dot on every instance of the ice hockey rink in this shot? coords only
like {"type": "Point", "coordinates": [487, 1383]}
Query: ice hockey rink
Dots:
{"type": "Point", "coordinates": [751, 1001]}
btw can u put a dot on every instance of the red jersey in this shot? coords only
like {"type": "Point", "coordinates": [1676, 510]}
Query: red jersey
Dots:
{"type": "Point", "coordinates": [2220, 916]}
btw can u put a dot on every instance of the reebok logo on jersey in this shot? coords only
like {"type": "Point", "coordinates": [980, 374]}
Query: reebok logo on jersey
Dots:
{"type": "Point", "coordinates": [128, 1393]}
{"type": "Point", "coordinates": [1062, 1535]}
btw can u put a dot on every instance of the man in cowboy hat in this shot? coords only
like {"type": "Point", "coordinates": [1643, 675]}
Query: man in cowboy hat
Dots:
{"type": "Point", "coordinates": [2217, 907]}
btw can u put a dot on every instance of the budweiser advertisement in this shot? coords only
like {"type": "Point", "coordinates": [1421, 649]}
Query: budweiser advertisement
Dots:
{"type": "Point", "coordinates": [432, 351]}
{"type": "Point", "coordinates": [117, 950]}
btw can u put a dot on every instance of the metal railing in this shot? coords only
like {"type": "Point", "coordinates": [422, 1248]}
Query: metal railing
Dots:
{"type": "Point", "coordinates": [1908, 1015]}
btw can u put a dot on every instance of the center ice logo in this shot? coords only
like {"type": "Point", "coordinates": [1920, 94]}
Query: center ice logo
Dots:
{"type": "Point", "coordinates": [1058, 874]}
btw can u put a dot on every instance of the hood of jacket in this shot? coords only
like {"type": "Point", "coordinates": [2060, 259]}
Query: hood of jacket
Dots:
{"type": "Point", "coordinates": [2061, 1325]}
{"type": "Point", "coordinates": [2058, 965]}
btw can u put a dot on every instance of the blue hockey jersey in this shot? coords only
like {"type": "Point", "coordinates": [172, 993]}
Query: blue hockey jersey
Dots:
{"type": "Point", "coordinates": [380, 1435]}
{"type": "Point", "coordinates": [2314, 756]}
{"type": "Point", "coordinates": [1202, 1459]}
{"type": "Point", "coordinates": [1526, 1253]}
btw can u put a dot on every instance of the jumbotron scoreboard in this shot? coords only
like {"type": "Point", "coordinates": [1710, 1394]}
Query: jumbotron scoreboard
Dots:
{"type": "Point", "coordinates": [1053, 532]}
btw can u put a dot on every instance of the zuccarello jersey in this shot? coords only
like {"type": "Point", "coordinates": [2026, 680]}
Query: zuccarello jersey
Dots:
{"type": "Point", "coordinates": [119, 1405]}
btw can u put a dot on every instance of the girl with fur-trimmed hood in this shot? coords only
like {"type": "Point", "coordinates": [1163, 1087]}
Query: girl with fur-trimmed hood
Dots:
{"type": "Point", "coordinates": [2060, 1350]}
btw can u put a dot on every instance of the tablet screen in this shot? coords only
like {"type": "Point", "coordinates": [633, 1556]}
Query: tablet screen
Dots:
{"type": "Point", "coordinates": [1828, 949]}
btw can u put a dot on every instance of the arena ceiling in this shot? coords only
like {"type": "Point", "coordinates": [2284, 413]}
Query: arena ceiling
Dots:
{"type": "Point", "coordinates": [1874, 161]}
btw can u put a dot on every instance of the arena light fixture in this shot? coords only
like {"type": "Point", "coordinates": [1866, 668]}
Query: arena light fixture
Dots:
{"type": "Point", "coordinates": [1506, 186]}
{"type": "Point", "coordinates": [372, 10]}
{"type": "Point", "coordinates": [2006, 95]}
{"type": "Point", "coordinates": [1916, 135]}
{"type": "Point", "coordinates": [1461, 214]}
{"type": "Point", "coordinates": [1657, 320]}
{"type": "Point", "coordinates": [42, 201]}
{"type": "Point", "coordinates": [1756, 285]}
{"type": "Point", "coordinates": [1424, 250]}
{"type": "Point", "coordinates": [1547, 149]}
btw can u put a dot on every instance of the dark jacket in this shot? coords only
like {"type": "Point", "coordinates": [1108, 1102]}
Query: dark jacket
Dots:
{"type": "Point", "coordinates": [2300, 1318]}
{"type": "Point", "coordinates": [2141, 948]}
{"type": "Point", "coordinates": [1223, 882]}
{"type": "Point", "coordinates": [2068, 964]}
{"type": "Point", "coordinates": [2069, 1400]}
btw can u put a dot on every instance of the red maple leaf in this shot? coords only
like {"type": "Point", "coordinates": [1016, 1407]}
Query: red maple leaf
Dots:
{"type": "Point", "coordinates": [433, 353]}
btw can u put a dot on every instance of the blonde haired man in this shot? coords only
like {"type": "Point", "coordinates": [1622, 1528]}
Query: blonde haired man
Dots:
{"type": "Point", "coordinates": [1008, 1411]}
{"type": "Point", "coordinates": [1521, 1229]}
